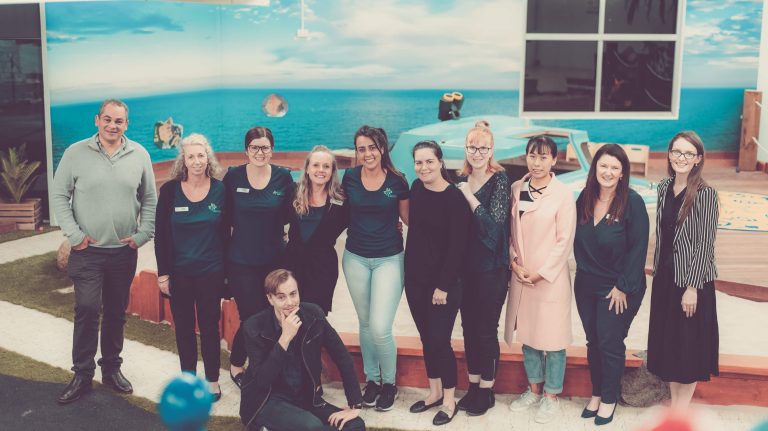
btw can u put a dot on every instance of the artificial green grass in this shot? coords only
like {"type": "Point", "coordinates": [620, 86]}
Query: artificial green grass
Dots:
{"type": "Point", "coordinates": [18, 234]}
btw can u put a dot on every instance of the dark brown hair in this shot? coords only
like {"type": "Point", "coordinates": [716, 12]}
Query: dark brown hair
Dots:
{"type": "Point", "coordinates": [379, 137]}
{"type": "Point", "coordinates": [257, 133]}
{"type": "Point", "coordinates": [591, 191]}
{"type": "Point", "coordinates": [695, 181]}
{"type": "Point", "coordinates": [538, 143]}
{"type": "Point", "coordinates": [275, 279]}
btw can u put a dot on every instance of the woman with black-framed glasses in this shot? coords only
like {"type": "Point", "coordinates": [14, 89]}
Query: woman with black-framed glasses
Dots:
{"type": "Point", "coordinates": [259, 195]}
{"type": "Point", "coordinates": [486, 189]}
{"type": "Point", "coordinates": [683, 339]}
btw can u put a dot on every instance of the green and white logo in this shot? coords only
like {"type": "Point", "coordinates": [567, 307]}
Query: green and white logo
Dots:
{"type": "Point", "coordinates": [389, 193]}
{"type": "Point", "coordinates": [214, 208]}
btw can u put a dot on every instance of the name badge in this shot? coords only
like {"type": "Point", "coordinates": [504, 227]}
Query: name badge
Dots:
{"type": "Point", "coordinates": [243, 190]}
{"type": "Point", "coordinates": [182, 209]}
{"type": "Point", "coordinates": [336, 202]}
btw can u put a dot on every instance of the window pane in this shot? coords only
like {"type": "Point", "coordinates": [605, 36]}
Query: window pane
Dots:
{"type": "Point", "coordinates": [559, 76]}
{"type": "Point", "coordinates": [563, 16]}
{"type": "Point", "coordinates": [641, 16]}
{"type": "Point", "coordinates": [637, 76]}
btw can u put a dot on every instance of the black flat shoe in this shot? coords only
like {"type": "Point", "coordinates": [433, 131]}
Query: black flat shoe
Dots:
{"type": "Point", "coordinates": [587, 413]}
{"type": "Point", "coordinates": [238, 379]}
{"type": "Point", "coordinates": [421, 406]}
{"type": "Point", "coordinates": [442, 417]}
{"type": "Point", "coordinates": [599, 420]}
{"type": "Point", "coordinates": [118, 382]}
{"type": "Point", "coordinates": [216, 396]}
{"type": "Point", "coordinates": [78, 386]}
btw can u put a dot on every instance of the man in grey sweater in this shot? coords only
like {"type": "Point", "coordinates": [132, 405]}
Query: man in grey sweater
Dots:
{"type": "Point", "coordinates": [104, 199]}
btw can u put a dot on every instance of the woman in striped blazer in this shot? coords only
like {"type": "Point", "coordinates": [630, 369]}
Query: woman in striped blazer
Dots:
{"type": "Point", "coordinates": [683, 332]}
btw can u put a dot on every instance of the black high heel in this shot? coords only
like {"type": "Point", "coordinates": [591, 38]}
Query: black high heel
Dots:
{"type": "Point", "coordinates": [587, 413]}
{"type": "Point", "coordinates": [599, 420]}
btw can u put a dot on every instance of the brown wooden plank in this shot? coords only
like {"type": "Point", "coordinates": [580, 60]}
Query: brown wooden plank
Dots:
{"type": "Point", "coordinates": [750, 125]}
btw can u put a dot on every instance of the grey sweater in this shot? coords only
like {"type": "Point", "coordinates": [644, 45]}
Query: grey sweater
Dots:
{"type": "Point", "coordinates": [107, 194]}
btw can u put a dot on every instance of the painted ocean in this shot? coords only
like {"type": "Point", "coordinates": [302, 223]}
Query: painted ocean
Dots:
{"type": "Point", "coordinates": [330, 117]}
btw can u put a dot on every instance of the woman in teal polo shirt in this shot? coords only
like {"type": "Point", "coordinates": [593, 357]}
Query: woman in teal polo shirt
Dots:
{"type": "Point", "coordinates": [259, 195]}
{"type": "Point", "coordinates": [190, 239]}
{"type": "Point", "coordinates": [377, 195]}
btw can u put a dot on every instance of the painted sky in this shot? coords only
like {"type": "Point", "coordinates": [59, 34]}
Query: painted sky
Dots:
{"type": "Point", "coordinates": [139, 48]}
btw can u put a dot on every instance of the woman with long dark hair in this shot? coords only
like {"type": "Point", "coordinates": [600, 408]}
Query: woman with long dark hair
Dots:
{"type": "Point", "coordinates": [259, 195]}
{"type": "Point", "coordinates": [485, 187]}
{"type": "Point", "coordinates": [610, 248]}
{"type": "Point", "coordinates": [437, 238]}
{"type": "Point", "coordinates": [190, 243]}
{"type": "Point", "coordinates": [377, 195]}
{"type": "Point", "coordinates": [317, 218]}
{"type": "Point", "coordinates": [683, 332]}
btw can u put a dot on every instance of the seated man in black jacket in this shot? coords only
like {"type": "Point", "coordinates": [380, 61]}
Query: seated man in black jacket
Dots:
{"type": "Point", "coordinates": [282, 390]}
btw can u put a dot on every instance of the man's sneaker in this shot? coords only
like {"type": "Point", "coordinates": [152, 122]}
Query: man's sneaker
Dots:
{"type": "Point", "coordinates": [371, 393]}
{"type": "Point", "coordinates": [387, 397]}
{"type": "Point", "coordinates": [548, 409]}
{"type": "Point", "coordinates": [526, 400]}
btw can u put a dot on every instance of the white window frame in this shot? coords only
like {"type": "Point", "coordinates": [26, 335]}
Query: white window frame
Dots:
{"type": "Point", "coordinates": [600, 38]}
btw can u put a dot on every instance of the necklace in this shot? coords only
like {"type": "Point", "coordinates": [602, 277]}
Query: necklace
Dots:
{"type": "Point", "coordinates": [532, 189]}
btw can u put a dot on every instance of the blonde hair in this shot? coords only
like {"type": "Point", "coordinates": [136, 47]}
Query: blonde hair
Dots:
{"type": "Point", "coordinates": [304, 186]}
{"type": "Point", "coordinates": [179, 169]}
{"type": "Point", "coordinates": [481, 130]}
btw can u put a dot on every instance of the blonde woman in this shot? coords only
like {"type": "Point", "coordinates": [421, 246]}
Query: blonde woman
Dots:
{"type": "Point", "coordinates": [485, 186]}
{"type": "Point", "coordinates": [190, 240]}
{"type": "Point", "coordinates": [317, 218]}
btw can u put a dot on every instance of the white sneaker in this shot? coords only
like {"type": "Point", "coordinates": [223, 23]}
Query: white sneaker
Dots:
{"type": "Point", "coordinates": [548, 409]}
{"type": "Point", "coordinates": [526, 400]}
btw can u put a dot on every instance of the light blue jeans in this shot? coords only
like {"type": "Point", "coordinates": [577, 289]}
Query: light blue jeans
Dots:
{"type": "Point", "coordinates": [375, 285]}
{"type": "Point", "coordinates": [545, 367]}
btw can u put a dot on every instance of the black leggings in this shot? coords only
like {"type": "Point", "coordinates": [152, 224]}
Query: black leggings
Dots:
{"type": "Point", "coordinates": [484, 296]}
{"type": "Point", "coordinates": [204, 293]}
{"type": "Point", "coordinates": [435, 324]}
{"type": "Point", "coordinates": [605, 332]}
{"type": "Point", "coordinates": [246, 283]}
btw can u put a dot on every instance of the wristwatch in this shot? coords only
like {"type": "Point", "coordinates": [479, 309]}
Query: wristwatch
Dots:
{"type": "Point", "coordinates": [358, 406]}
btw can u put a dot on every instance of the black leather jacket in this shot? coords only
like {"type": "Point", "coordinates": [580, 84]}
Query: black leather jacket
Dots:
{"type": "Point", "coordinates": [266, 358]}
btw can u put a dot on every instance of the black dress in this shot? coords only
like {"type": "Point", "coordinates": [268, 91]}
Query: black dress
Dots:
{"type": "Point", "coordinates": [680, 349]}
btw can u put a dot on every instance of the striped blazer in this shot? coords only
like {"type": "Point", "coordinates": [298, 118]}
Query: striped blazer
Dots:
{"type": "Point", "coordinates": [694, 242]}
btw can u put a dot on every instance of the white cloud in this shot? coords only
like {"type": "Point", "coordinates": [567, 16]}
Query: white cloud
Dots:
{"type": "Point", "coordinates": [734, 63]}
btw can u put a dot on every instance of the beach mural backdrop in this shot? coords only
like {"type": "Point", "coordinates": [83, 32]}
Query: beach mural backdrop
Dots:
{"type": "Point", "coordinates": [191, 67]}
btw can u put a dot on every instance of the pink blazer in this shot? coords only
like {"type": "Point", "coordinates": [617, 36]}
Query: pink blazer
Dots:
{"type": "Point", "coordinates": [542, 241]}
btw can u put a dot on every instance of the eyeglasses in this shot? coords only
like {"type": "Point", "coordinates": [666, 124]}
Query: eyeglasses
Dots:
{"type": "Point", "coordinates": [677, 153]}
{"type": "Point", "coordinates": [474, 150]}
{"type": "Point", "coordinates": [265, 149]}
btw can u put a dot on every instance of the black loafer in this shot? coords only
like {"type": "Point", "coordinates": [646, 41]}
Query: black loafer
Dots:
{"type": "Point", "coordinates": [216, 396]}
{"type": "Point", "coordinates": [118, 382]}
{"type": "Point", "coordinates": [421, 406]}
{"type": "Point", "coordinates": [442, 418]}
{"type": "Point", "coordinates": [78, 386]}
{"type": "Point", "coordinates": [238, 379]}
{"type": "Point", "coordinates": [587, 413]}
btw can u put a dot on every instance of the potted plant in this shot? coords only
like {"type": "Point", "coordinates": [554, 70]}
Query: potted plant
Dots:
{"type": "Point", "coordinates": [17, 175]}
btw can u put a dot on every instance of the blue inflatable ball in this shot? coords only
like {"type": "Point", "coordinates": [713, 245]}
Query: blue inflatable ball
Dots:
{"type": "Point", "coordinates": [763, 426]}
{"type": "Point", "coordinates": [185, 404]}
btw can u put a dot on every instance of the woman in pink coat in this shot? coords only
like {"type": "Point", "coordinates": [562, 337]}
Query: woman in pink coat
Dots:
{"type": "Point", "coordinates": [543, 219]}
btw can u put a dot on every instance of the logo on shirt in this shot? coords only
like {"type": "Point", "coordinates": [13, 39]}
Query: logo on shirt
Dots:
{"type": "Point", "coordinates": [389, 193]}
{"type": "Point", "coordinates": [278, 193]}
{"type": "Point", "coordinates": [214, 208]}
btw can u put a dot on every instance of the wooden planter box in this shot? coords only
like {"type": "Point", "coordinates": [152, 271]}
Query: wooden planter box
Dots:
{"type": "Point", "coordinates": [27, 215]}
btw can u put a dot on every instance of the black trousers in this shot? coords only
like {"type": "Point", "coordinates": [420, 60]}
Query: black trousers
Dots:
{"type": "Point", "coordinates": [281, 413]}
{"type": "Point", "coordinates": [102, 278]}
{"type": "Point", "coordinates": [606, 331]}
{"type": "Point", "coordinates": [435, 324]}
{"type": "Point", "coordinates": [484, 296]}
{"type": "Point", "coordinates": [201, 293]}
{"type": "Point", "coordinates": [246, 283]}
